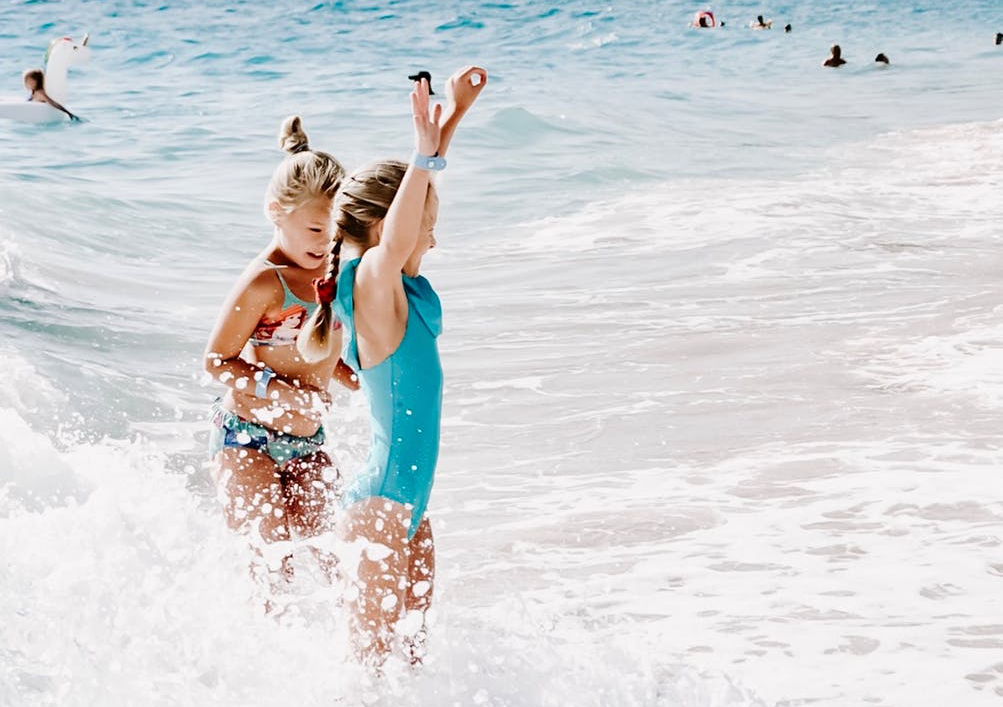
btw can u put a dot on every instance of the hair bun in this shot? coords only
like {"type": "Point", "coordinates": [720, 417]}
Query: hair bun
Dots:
{"type": "Point", "coordinates": [292, 136]}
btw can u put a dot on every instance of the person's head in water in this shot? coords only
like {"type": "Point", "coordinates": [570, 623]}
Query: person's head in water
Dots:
{"type": "Point", "coordinates": [882, 59]}
{"type": "Point", "coordinates": [704, 22]}
{"type": "Point", "coordinates": [999, 38]}
{"type": "Point", "coordinates": [760, 20]}
{"type": "Point", "coordinates": [835, 58]}
{"type": "Point", "coordinates": [34, 80]}
{"type": "Point", "coordinates": [787, 28]}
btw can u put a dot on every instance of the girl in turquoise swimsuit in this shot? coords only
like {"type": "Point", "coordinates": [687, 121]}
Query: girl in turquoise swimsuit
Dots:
{"type": "Point", "coordinates": [384, 220]}
{"type": "Point", "coordinates": [266, 439]}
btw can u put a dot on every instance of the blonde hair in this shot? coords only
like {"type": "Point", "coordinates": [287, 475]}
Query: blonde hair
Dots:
{"type": "Point", "coordinates": [303, 175]}
{"type": "Point", "coordinates": [363, 200]}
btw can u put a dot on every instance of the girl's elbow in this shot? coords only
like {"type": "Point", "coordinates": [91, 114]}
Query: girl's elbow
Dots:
{"type": "Point", "coordinates": [211, 361]}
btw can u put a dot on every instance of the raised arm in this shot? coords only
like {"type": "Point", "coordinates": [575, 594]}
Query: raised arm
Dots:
{"type": "Point", "coordinates": [460, 95]}
{"type": "Point", "coordinates": [382, 263]}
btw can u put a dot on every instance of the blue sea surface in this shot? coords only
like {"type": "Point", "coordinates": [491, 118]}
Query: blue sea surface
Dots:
{"type": "Point", "coordinates": [139, 217]}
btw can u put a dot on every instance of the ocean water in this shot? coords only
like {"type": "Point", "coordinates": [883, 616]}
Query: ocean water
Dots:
{"type": "Point", "coordinates": [722, 351]}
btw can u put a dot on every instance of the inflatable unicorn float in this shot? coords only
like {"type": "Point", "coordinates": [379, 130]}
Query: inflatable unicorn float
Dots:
{"type": "Point", "coordinates": [62, 54]}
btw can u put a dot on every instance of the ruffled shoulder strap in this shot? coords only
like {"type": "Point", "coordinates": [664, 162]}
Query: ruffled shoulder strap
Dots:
{"type": "Point", "coordinates": [422, 299]}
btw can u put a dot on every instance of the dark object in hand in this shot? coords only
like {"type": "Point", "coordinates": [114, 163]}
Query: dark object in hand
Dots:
{"type": "Point", "coordinates": [423, 75]}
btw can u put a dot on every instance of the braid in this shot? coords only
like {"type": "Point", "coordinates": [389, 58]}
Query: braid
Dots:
{"type": "Point", "coordinates": [314, 342]}
{"type": "Point", "coordinates": [335, 261]}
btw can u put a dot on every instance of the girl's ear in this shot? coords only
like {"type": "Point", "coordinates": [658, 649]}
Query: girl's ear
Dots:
{"type": "Point", "coordinates": [275, 212]}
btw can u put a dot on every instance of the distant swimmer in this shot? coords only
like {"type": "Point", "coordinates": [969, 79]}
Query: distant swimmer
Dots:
{"type": "Point", "coordinates": [882, 59]}
{"type": "Point", "coordinates": [760, 23]}
{"type": "Point", "coordinates": [999, 38]}
{"type": "Point", "coordinates": [836, 58]}
{"type": "Point", "coordinates": [34, 82]}
{"type": "Point", "coordinates": [704, 19]}
{"type": "Point", "coordinates": [787, 28]}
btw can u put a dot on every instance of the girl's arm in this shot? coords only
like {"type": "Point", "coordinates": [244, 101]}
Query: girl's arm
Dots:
{"type": "Point", "coordinates": [380, 270]}
{"type": "Point", "coordinates": [460, 95]}
{"type": "Point", "coordinates": [240, 315]}
{"type": "Point", "coordinates": [58, 106]}
{"type": "Point", "coordinates": [344, 374]}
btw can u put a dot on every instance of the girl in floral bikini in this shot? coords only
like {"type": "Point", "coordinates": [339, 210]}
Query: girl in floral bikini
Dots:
{"type": "Point", "coordinates": [267, 435]}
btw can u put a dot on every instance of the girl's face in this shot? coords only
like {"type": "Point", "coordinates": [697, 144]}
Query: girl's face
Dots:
{"type": "Point", "coordinates": [426, 234]}
{"type": "Point", "coordinates": [29, 83]}
{"type": "Point", "coordinates": [304, 234]}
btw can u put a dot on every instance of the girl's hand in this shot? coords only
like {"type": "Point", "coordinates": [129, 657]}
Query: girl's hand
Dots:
{"type": "Point", "coordinates": [460, 89]}
{"type": "Point", "coordinates": [344, 374]}
{"type": "Point", "coordinates": [426, 125]}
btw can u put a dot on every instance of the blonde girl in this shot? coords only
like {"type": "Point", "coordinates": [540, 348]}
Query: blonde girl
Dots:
{"type": "Point", "coordinates": [267, 436]}
{"type": "Point", "coordinates": [385, 216]}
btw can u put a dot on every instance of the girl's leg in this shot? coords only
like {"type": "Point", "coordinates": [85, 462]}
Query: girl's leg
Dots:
{"type": "Point", "coordinates": [251, 491]}
{"type": "Point", "coordinates": [382, 576]}
{"type": "Point", "coordinates": [421, 582]}
{"type": "Point", "coordinates": [307, 494]}
{"type": "Point", "coordinates": [249, 486]}
{"type": "Point", "coordinates": [309, 487]}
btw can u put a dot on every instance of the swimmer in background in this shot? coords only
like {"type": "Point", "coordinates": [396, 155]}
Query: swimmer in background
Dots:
{"type": "Point", "coordinates": [760, 23]}
{"type": "Point", "coordinates": [881, 59]}
{"type": "Point", "coordinates": [835, 58]}
{"type": "Point", "coordinates": [34, 81]}
{"type": "Point", "coordinates": [704, 19]}
{"type": "Point", "coordinates": [787, 28]}
{"type": "Point", "coordinates": [999, 38]}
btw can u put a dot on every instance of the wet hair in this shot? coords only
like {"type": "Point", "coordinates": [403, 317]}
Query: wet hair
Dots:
{"type": "Point", "coordinates": [882, 58]}
{"type": "Point", "coordinates": [703, 21]}
{"type": "Point", "coordinates": [760, 19]}
{"type": "Point", "coordinates": [38, 76]}
{"type": "Point", "coordinates": [837, 53]}
{"type": "Point", "coordinates": [999, 38]}
{"type": "Point", "coordinates": [363, 201]}
{"type": "Point", "coordinates": [304, 175]}
{"type": "Point", "coordinates": [787, 28]}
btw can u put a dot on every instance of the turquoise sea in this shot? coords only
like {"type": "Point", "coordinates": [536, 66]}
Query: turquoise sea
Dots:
{"type": "Point", "coordinates": [722, 351]}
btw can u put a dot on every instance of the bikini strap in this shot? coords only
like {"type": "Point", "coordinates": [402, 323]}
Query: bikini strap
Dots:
{"type": "Point", "coordinates": [282, 281]}
{"type": "Point", "coordinates": [290, 296]}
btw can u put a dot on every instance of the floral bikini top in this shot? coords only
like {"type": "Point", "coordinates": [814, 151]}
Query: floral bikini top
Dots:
{"type": "Point", "coordinates": [284, 329]}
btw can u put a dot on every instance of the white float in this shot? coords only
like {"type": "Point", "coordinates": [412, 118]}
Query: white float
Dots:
{"type": "Point", "coordinates": [62, 54]}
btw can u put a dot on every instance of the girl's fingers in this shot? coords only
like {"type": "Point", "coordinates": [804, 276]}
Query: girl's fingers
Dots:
{"type": "Point", "coordinates": [481, 74]}
{"type": "Point", "coordinates": [437, 113]}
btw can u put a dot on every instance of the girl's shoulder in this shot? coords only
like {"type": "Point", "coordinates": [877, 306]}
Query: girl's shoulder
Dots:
{"type": "Point", "coordinates": [258, 282]}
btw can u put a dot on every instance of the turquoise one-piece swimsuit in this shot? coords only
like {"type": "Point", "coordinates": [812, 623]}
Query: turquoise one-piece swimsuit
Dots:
{"type": "Point", "coordinates": [405, 400]}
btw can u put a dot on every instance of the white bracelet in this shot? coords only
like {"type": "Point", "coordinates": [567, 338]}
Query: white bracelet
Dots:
{"type": "Point", "coordinates": [432, 163]}
{"type": "Point", "coordinates": [264, 376]}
